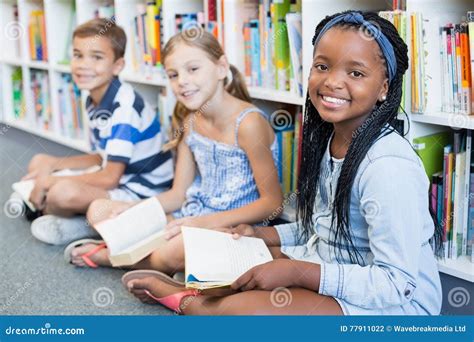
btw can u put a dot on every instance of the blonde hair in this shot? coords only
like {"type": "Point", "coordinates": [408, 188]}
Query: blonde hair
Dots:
{"type": "Point", "coordinates": [209, 44]}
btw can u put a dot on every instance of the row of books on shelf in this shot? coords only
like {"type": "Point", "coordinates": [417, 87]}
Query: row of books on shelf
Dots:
{"type": "Point", "coordinates": [456, 48]}
{"type": "Point", "coordinates": [273, 46]}
{"type": "Point", "coordinates": [37, 30]}
{"type": "Point", "coordinates": [41, 99]}
{"type": "Point", "coordinates": [147, 38]}
{"type": "Point", "coordinates": [456, 67]}
{"type": "Point", "coordinates": [71, 122]}
{"type": "Point", "coordinates": [399, 20]}
{"type": "Point", "coordinates": [448, 161]}
{"type": "Point", "coordinates": [288, 136]}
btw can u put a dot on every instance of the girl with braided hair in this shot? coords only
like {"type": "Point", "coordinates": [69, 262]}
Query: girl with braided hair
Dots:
{"type": "Point", "coordinates": [361, 243]}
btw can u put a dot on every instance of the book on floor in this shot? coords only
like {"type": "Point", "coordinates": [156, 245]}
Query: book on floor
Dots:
{"type": "Point", "coordinates": [134, 233]}
{"type": "Point", "coordinates": [25, 187]}
{"type": "Point", "coordinates": [215, 259]}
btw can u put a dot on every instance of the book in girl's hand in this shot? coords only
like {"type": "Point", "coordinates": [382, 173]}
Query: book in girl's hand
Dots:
{"type": "Point", "coordinates": [215, 259]}
{"type": "Point", "coordinates": [135, 233]}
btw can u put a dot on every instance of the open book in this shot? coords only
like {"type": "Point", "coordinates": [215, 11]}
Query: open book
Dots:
{"type": "Point", "coordinates": [24, 188]}
{"type": "Point", "coordinates": [215, 259]}
{"type": "Point", "coordinates": [134, 233]}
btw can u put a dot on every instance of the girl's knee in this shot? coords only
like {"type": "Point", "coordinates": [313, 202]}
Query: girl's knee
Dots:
{"type": "Point", "coordinates": [99, 210]}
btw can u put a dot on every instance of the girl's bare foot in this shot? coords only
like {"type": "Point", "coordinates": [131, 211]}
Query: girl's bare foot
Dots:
{"type": "Point", "coordinates": [154, 286]}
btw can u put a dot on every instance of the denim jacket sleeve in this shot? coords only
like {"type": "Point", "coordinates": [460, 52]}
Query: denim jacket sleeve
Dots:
{"type": "Point", "coordinates": [393, 194]}
{"type": "Point", "coordinates": [290, 234]}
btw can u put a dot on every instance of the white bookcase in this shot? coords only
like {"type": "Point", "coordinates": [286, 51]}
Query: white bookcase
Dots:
{"type": "Point", "coordinates": [14, 53]}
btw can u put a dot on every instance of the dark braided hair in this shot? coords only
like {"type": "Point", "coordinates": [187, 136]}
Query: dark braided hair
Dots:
{"type": "Point", "coordinates": [316, 135]}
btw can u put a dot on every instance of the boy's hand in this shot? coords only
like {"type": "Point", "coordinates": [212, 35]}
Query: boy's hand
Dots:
{"type": "Point", "coordinates": [38, 195]}
{"type": "Point", "coordinates": [268, 276]}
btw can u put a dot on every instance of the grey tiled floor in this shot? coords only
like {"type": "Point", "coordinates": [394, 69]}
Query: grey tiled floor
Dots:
{"type": "Point", "coordinates": [34, 278]}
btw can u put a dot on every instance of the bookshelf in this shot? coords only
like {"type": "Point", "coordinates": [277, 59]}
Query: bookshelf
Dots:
{"type": "Point", "coordinates": [61, 16]}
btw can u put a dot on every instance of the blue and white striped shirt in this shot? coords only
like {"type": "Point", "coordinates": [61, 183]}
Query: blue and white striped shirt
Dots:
{"type": "Point", "coordinates": [124, 128]}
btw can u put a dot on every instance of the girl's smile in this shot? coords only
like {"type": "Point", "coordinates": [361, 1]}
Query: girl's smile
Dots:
{"type": "Point", "coordinates": [344, 85]}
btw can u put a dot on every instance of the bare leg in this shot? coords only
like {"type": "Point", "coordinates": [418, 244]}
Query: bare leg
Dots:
{"type": "Point", "coordinates": [69, 197]}
{"type": "Point", "coordinates": [292, 301]}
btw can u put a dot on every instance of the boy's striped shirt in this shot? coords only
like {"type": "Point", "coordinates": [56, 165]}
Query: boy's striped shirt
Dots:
{"type": "Point", "coordinates": [124, 128]}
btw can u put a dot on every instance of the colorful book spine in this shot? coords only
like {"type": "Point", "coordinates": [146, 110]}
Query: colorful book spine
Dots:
{"type": "Point", "coordinates": [255, 53]}
{"type": "Point", "coordinates": [470, 226]}
{"type": "Point", "coordinates": [17, 94]}
{"type": "Point", "coordinates": [470, 19]}
{"type": "Point", "coordinates": [37, 36]}
{"type": "Point", "coordinates": [70, 116]}
{"type": "Point", "coordinates": [247, 53]}
{"type": "Point", "coordinates": [280, 38]}
{"type": "Point", "coordinates": [467, 196]}
{"type": "Point", "coordinates": [40, 92]}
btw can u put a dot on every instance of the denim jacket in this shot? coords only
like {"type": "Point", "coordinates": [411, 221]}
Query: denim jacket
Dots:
{"type": "Point", "coordinates": [390, 225]}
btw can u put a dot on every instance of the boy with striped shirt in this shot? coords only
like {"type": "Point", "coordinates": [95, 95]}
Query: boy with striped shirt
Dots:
{"type": "Point", "coordinates": [126, 140]}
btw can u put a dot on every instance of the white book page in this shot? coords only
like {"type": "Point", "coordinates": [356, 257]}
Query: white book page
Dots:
{"type": "Point", "coordinates": [24, 188]}
{"type": "Point", "coordinates": [133, 225]}
{"type": "Point", "coordinates": [216, 256]}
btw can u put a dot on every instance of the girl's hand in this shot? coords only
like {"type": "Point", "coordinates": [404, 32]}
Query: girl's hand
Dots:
{"type": "Point", "coordinates": [268, 276]}
{"type": "Point", "coordinates": [173, 228]}
{"type": "Point", "coordinates": [242, 230]}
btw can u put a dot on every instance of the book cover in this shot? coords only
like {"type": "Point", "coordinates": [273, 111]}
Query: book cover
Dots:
{"type": "Point", "coordinates": [430, 149]}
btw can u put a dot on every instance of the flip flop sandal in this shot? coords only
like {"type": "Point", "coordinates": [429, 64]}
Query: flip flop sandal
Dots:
{"type": "Point", "coordinates": [172, 302]}
{"type": "Point", "coordinates": [140, 274]}
{"type": "Point", "coordinates": [86, 256]}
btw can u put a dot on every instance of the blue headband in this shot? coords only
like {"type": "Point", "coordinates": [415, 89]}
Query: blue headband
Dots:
{"type": "Point", "coordinates": [384, 43]}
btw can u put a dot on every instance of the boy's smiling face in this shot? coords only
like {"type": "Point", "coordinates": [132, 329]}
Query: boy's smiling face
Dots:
{"type": "Point", "coordinates": [93, 65]}
{"type": "Point", "coordinates": [347, 78]}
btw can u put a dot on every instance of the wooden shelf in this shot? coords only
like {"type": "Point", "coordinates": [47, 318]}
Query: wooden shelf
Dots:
{"type": "Point", "coordinates": [38, 65]}
{"type": "Point", "coordinates": [155, 80]}
{"type": "Point", "coordinates": [460, 268]}
{"type": "Point", "coordinates": [64, 68]}
{"type": "Point", "coordinates": [445, 119]}
{"type": "Point", "coordinates": [275, 95]}
{"type": "Point", "coordinates": [77, 144]}
{"type": "Point", "coordinates": [12, 61]}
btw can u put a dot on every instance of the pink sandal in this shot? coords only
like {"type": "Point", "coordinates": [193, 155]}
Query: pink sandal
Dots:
{"type": "Point", "coordinates": [86, 256]}
{"type": "Point", "coordinates": [172, 302]}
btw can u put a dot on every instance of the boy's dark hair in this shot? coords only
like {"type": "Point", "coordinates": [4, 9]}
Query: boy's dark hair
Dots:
{"type": "Point", "coordinates": [316, 134]}
{"type": "Point", "coordinates": [107, 28]}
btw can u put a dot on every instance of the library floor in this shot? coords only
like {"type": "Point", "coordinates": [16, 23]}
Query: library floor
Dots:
{"type": "Point", "coordinates": [34, 278]}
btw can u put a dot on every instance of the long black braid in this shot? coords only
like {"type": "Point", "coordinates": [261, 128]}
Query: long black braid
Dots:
{"type": "Point", "coordinates": [316, 135]}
